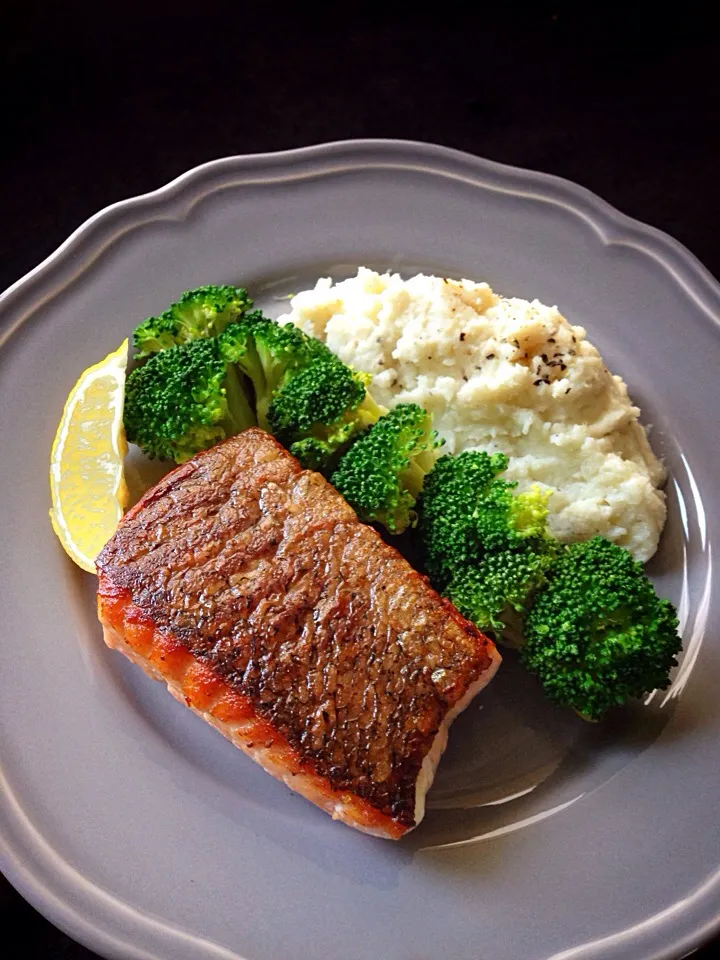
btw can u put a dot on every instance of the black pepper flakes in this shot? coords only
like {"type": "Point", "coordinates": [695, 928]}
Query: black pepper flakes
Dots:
{"type": "Point", "coordinates": [462, 336]}
{"type": "Point", "coordinates": [489, 356]}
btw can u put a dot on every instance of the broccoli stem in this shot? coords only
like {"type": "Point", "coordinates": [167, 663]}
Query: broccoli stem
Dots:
{"type": "Point", "coordinates": [370, 411]}
{"type": "Point", "coordinates": [413, 477]}
{"type": "Point", "coordinates": [240, 413]}
{"type": "Point", "coordinates": [251, 365]}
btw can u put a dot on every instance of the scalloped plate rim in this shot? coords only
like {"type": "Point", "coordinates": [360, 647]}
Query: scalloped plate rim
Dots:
{"type": "Point", "coordinates": [612, 226]}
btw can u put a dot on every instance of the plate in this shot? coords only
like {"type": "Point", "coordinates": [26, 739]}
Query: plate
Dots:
{"type": "Point", "coordinates": [143, 834]}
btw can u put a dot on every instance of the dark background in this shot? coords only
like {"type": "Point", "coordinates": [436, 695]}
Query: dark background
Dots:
{"type": "Point", "coordinates": [103, 101]}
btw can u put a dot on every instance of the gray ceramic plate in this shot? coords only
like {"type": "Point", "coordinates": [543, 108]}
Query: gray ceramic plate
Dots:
{"type": "Point", "coordinates": [141, 832]}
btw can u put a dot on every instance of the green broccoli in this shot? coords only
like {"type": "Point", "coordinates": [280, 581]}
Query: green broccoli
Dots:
{"type": "Point", "coordinates": [183, 400]}
{"type": "Point", "coordinates": [382, 473]}
{"type": "Point", "coordinates": [597, 634]}
{"type": "Point", "coordinates": [320, 392]}
{"type": "Point", "coordinates": [484, 547]}
{"type": "Point", "coordinates": [312, 452]}
{"type": "Point", "coordinates": [262, 372]}
{"type": "Point", "coordinates": [266, 352]}
{"type": "Point", "coordinates": [500, 583]}
{"type": "Point", "coordinates": [303, 394]}
{"type": "Point", "coordinates": [203, 312]}
{"type": "Point", "coordinates": [325, 443]}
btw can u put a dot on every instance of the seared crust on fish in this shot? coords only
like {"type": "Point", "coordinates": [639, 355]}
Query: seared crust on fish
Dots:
{"type": "Point", "coordinates": [250, 587]}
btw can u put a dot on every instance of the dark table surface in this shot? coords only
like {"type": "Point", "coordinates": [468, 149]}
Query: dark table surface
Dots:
{"type": "Point", "coordinates": [96, 110]}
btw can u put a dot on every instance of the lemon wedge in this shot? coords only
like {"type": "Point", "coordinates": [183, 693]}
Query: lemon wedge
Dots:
{"type": "Point", "coordinates": [87, 484]}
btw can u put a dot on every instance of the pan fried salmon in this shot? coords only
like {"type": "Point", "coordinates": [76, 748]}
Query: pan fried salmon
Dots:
{"type": "Point", "coordinates": [249, 586]}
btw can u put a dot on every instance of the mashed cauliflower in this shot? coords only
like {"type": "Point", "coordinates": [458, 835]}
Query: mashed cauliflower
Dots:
{"type": "Point", "coordinates": [502, 374]}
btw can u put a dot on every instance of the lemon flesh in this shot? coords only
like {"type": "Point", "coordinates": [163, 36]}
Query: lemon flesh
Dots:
{"type": "Point", "coordinates": [87, 484]}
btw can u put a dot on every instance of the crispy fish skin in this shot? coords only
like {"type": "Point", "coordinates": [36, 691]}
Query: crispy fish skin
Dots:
{"type": "Point", "coordinates": [329, 659]}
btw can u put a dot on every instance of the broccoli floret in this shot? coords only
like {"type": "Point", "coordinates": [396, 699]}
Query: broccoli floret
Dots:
{"type": "Point", "coordinates": [301, 388]}
{"type": "Point", "coordinates": [183, 400]}
{"type": "Point", "coordinates": [312, 452]}
{"type": "Point", "coordinates": [597, 634]}
{"type": "Point", "coordinates": [320, 392]}
{"type": "Point", "coordinates": [301, 392]}
{"type": "Point", "coordinates": [500, 583]}
{"type": "Point", "coordinates": [304, 395]}
{"type": "Point", "coordinates": [467, 512]}
{"type": "Point", "coordinates": [200, 313]}
{"type": "Point", "coordinates": [382, 473]}
{"type": "Point", "coordinates": [484, 547]}
{"type": "Point", "coordinates": [326, 443]}
{"type": "Point", "coordinates": [281, 351]}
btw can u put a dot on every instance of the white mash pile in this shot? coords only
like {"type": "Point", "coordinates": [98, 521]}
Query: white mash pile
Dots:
{"type": "Point", "coordinates": [502, 374]}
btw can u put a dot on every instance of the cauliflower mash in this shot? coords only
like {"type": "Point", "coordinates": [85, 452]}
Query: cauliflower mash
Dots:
{"type": "Point", "coordinates": [504, 374]}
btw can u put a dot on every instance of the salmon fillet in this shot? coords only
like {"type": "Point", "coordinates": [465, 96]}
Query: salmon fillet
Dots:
{"type": "Point", "coordinates": [249, 586]}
